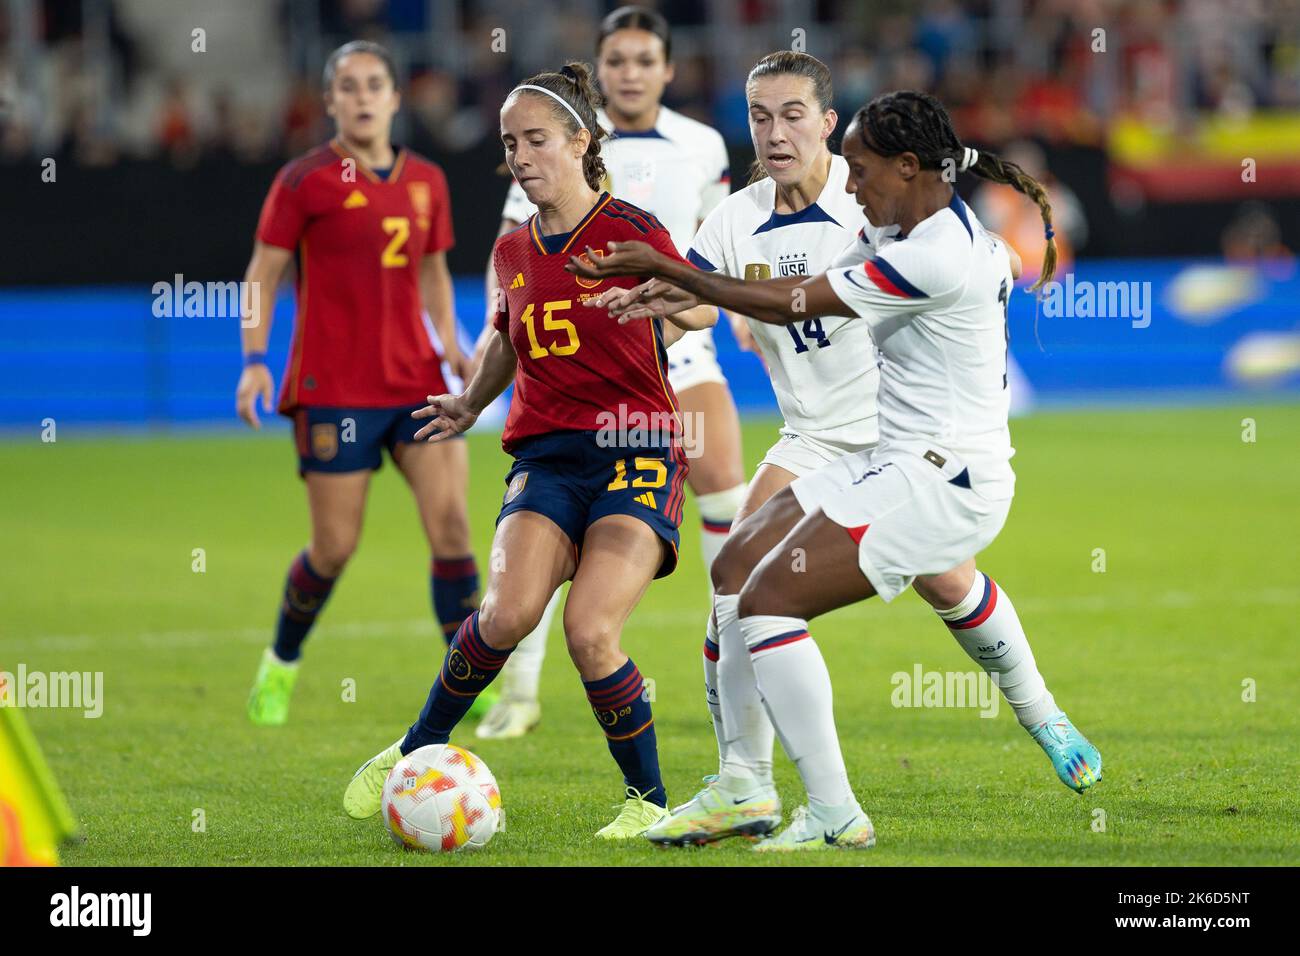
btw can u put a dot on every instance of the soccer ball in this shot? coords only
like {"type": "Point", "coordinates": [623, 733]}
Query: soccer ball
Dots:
{"type": "Point", "coordinates": [442, 798]}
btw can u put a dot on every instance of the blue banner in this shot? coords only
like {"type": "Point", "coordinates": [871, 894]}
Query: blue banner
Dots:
{"type": "Point", "coordinates": [1119, 330]}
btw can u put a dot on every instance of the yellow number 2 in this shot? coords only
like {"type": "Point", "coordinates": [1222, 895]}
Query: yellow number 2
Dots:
{"type": "Point", "coordinates": [399, 227]}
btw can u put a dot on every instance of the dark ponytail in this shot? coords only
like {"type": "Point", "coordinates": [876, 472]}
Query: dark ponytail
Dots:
{"type": "Point", "coordinates": [573, 84]}
{"type": "Point", "coordinates": [908, 121]}
{"type": "Point", "coordinates": [998, 170]}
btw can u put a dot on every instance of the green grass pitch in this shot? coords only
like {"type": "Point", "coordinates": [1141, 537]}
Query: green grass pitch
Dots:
{"type": "Point", "coordinates": [1152, 657]}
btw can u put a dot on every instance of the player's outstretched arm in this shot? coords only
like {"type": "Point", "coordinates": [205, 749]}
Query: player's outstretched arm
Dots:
{"type": "Point", "coordinates": [456, 414]}
{"type": "Point", "coordinates": [775, 301]}
{"type": "Point", "coordinates": [256, 308]}
{"type": "Point", "coordinates": [656, 299]}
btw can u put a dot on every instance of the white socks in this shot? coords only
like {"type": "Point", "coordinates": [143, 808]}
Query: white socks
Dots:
{"type": "Point", "coordinates": [796, 690]}
{"type": "Point", "coordinates": [523, 671]}
{"type": "Point", "coordinates": [717, 511]}
{"type": "Point", "coordinates": [987, 628]}
{"type": "Point", "coordinates": [711, 654]}
{"type": "Point", "coordinates": [746, 745]}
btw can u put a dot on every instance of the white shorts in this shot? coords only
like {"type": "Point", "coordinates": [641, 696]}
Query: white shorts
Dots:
{"type": "Point", "coordinates": [905, 512]}
{"type": "Point", "coordinates": [802, 454]}
{"type": "Point", "coordinates": [692, 360]}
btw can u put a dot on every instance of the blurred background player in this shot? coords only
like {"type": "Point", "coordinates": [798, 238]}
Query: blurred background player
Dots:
{"type": "Point", "coordinates": [796, 218]}
{"type": "Point", "coordinates": [678, 169]}
{"type": "Point", "coordinates": [583, 503]}
{"type": "Point", "coordinates": [369, 226]}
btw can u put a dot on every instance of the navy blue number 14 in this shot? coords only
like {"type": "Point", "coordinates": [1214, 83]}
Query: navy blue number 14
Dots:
{"type": "Point", "coordinates": [812, 329]}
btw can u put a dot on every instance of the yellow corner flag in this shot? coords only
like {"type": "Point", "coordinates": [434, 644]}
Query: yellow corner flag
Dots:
{"type": "Point", "coordinates": [34, 817]}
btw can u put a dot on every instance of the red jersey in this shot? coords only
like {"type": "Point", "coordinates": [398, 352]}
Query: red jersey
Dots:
{"type": "Point", "coordinates": [359, 336]}
{"type": "Point", "coordinates": [578, 366]}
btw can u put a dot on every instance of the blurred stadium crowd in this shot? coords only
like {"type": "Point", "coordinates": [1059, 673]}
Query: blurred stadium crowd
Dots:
{"type": "Point", "coordinates": [102, 80]}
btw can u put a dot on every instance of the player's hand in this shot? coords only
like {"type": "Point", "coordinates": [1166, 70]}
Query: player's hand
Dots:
{"type": "Point", "coordinates": [255, 380]}
{"type": "Point", "coordinates": [461, 365]}
{"type": "Point", "coordinates": [651, 299]}
{"type": "Point", "coordinates": [451, 416]}
{"type": "Point", "coordinates": [622, 259]}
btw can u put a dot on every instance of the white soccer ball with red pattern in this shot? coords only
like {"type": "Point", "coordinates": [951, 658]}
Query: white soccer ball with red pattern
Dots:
{"type": "Point", "coordinates": [442, 798]}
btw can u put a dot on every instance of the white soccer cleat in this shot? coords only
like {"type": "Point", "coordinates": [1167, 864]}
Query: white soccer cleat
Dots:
{"type": "Point", "coordinates": [510, 717]}
{"type": "Point", "coordinates": [805, 832]}
{"type": "Point", "coordinates": [716, 813]}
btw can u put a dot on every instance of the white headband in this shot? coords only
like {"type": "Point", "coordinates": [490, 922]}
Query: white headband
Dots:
{"type": "Point", "coordinates": [969, 160]}
{"type": "Point", "coordinates": [559, 99]}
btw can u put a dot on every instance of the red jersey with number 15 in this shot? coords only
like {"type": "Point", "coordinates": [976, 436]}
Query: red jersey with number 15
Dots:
{"type": "Point", "coordinates": [578, 368]}
{"type": "Point", "coordinates": [359, 336]}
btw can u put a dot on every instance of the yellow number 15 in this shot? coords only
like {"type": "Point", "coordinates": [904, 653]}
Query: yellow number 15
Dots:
{"type": "Point", "coordinates": [551, 324]}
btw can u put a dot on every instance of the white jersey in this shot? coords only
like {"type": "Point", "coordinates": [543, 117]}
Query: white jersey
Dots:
{"type": "Point", "coordinates": [823, 370]}
{"type": "Point", "coordinates": [935, 301]}
{"type": "Point", "coordinates": [678, 171]}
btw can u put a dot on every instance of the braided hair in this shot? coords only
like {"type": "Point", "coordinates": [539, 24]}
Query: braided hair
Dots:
{"type": "Point", "coordinates": [573, 84]}
{"type": "Point", "coordinates": [909, 121]}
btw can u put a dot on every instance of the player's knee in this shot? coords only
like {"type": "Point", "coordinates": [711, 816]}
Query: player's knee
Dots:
{"type": "Point", "coordinates": [504, 625]}
{"type": "Point", "coordinates": [449, 533]}
{"type": "Point", "coordinates": [946, 590]}
{"type": "Point", "coordinates": [731, 566]}
{"type": "Point", "coordinates": [589, 642]}
{"type": "Point", "coordinates": [330, 553]}
{"type": "Point", "coordinates": [761, 596]}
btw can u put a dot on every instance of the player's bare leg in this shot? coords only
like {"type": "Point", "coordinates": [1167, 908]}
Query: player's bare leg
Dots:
{"type": "Point", "coordinates": [620, 557]}
{"type": "Point", "coordinates": [338, 507]}
{"type": "Point", "coordinates": [337, 503]}
{"type": "Point", "coordinates": [981, 617]}
{"type": "Point", "coordinates": [531, 556]}
{"type": "Point", "coordinates": [814, 569]}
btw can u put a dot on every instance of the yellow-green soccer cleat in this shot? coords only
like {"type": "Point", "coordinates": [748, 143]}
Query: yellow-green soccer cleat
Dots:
{"type": "Point", "coordinates": [511, 717]}
{"type": "Point", "coordinates": [637, 816]}
{"type": "Point", "coordinates": [268, 702]}
{"type": "Point", "coordinates": [483, 703]}
{"type": "Point", "coordinates": [715, 814]}
{"type": "Point", "coordinates": [805, 833]}
{"type": "Point", "coordinates": [365, 792]}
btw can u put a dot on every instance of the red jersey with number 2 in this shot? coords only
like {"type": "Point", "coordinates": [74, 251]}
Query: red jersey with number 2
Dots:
{"type": "Point", "coordinates": [360, 338]}
{"type": "Point", "coordinates": [578, 368]}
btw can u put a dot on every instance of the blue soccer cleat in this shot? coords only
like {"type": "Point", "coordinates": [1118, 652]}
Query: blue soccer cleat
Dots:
{"type": "Point", "coordinates": [1076, 761]}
